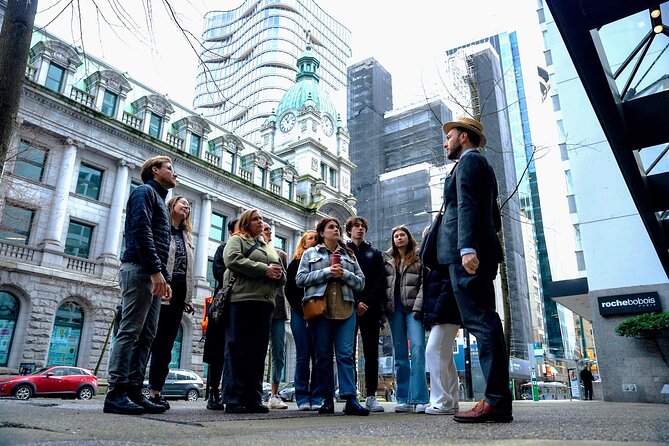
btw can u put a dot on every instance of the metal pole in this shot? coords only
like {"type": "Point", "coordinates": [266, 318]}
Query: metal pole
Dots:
{"type": "Point", "coordinates": [468, 368]}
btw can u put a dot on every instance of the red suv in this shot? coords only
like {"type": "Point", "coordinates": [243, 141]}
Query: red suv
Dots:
{"type": "Point", "coordinates": [60, 381]}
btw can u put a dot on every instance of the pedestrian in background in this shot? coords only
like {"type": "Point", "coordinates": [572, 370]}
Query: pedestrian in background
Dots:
{"type": "Point", "coordinates": [257, 273]}
{"type": "Point", "coordinates": [306, 388]}
{"type": "Point", "coordinates": [214, 340]}
{"type": "Point", "coordinates": [587, 379]}
{"type": "Point", "coordinates": [334, 280]}
{"type": "Point", "coordinates": [404, 277]}
{"type": "Point", "coordinates": [277, 343]}
{"type": "Point", "coordinates": [469, 249]}
{"type": "Point", "coordinates": [368, 304]}
{"type": "Point", "coordinates": [180, 267]}
{"type": "Point", "coordinates": [143, 279]}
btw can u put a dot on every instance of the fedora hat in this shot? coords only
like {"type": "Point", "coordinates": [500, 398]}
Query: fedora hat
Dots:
{"type": "Point", "coordinates": [469, 124]}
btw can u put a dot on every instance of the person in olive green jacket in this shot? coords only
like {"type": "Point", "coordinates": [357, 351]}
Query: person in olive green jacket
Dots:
{"type": "Point", "coordinates": [257, 273]}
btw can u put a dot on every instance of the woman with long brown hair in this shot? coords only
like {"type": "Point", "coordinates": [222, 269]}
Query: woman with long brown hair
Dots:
{"type": "Point", "coordinates": [306, 395]}
{"type": "Point", "coordinates": [404, 276]}
{"type": "Point", "coordinates": [180, 267]}
{"type": "Point", "coordinates": [257, 273]}
{"type": "Point", "coordinates": [329, 270]}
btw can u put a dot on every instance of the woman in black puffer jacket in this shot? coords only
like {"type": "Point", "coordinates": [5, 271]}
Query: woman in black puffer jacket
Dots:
{"type": "Point", "coordinates": [441, 315]}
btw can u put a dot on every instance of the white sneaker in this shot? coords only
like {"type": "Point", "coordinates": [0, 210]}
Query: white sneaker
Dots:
{"type": "Point", "coordinates": [420, 408]}
{"type": "Point", "coordinates": [440, 410]}
{"type": "Point", "coordinates": [373, 405]}
{"type": "Point", "coordinates": [276, 403]}
{"type": "Point", "coordinates": [403, 408]}
{"type": "Point", "coordinates": [304, 406]}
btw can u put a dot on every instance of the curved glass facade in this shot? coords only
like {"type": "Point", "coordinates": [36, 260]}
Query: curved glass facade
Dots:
{"type": "Point", "coordinates": [250, 59]}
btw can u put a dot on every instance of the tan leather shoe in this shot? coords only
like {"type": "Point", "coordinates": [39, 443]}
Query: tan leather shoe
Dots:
{"type": "Point", "coordinates": [483, 413]}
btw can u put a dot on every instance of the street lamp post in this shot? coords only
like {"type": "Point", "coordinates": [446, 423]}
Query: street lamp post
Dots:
{"type": "Point", "coordinates": [469, 388]}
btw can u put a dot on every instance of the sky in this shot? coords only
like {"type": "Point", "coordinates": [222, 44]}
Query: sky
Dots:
{"type": "Point", "coordinates": [408, 41]}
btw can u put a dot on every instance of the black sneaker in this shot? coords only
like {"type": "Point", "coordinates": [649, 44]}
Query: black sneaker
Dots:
{"type": "Point", "coordinates": [144, 402]}
{"type": "Point", "coordinates": [121, 404]}
{"type": "Point", "coordinates": [160, 400]}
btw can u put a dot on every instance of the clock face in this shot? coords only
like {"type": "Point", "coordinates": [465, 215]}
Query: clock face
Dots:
{"type": "Point", "coordinates": [328, 127]}
{"type": "Point", "coordinates": [287, 122]}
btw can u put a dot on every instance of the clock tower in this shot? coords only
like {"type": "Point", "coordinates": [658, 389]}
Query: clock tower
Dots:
{"type": "Point", "coordinates": [306, 132]}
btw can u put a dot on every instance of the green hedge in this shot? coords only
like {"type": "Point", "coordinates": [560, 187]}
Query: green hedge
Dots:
{"type": "Point", "coordinates": [645, 325]}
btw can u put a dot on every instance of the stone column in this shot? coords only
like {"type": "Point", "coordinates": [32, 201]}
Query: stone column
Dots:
{"type": "Point", "coordinates": [110, 255]}
{"type": "Point", "coordinates": [52, 244]}
{"type": "Point", "coordinates": [202, 249]}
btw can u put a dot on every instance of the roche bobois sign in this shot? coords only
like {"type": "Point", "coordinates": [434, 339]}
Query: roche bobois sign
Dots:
{"type": "Point", "coordinates": [629, 303]}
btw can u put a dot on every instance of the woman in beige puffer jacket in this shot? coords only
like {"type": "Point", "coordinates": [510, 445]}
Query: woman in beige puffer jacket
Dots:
{"type": "Point", "coordinates": [404, 302]}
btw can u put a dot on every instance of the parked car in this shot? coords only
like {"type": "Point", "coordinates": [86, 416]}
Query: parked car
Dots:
{"type": "Point", "coordinates": [287, 391]}
{"type": "Point", "coordinates": [266, 391]}
{"type": "Point", "coordinates": [180, 384]}
{"type": "Point", "coordinates": [53, 381]}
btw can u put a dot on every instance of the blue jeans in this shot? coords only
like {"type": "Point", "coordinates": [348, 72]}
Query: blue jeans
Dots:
{"type": "Point", "coordinates": [337, 334]}
{"type": "Point", "coordinates": [305, 380]}
{"type": "Point", "coordinates": [277, 344]}
{"type": "Point", "coordinates": [139, 323]}
{"type": "Point", "coordinates": [411, 383]}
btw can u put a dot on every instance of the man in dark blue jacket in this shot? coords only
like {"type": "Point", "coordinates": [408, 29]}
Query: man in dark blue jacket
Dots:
{"type": "Point", "coordinates": [144, 282]}
{"type": "Point", "coordinates": [469, 248]}
{"type": "Point", "coordinates": [368, 304]}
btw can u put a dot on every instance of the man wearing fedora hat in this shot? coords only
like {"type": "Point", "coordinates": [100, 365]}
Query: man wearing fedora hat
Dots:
{"type": "Point", "coordinates": [469, 250]}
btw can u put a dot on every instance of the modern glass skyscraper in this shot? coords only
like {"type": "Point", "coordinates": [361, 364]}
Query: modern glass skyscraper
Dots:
{"type": "Point", "coordinates": [250, 56]}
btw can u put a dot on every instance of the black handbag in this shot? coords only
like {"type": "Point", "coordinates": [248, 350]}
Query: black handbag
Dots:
{"type": "Point", "coordinates": [428, 249]}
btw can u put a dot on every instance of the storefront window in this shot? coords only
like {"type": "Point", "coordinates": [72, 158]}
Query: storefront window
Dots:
{"type": "Point", "coordinates": [66, 335]}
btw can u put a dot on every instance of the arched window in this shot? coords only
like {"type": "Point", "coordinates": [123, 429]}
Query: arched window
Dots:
{"type": "Point", "coordinates": [66, 335]}
{"type": "Point", "coordinates": [176, 349]}
{"type": "Point", "coordinates": [9, 313]}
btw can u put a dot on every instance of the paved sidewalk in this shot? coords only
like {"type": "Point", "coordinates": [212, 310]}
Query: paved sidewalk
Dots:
{"type": "Point", "coordinates": [72, 422]}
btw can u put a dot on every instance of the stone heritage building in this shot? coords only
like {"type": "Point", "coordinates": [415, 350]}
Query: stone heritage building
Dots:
{"type": "Point", "coordinates": [83, 131]}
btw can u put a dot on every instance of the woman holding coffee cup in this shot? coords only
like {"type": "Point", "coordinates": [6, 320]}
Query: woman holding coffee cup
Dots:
{"type": "Point", "coordinates": [329, 270]}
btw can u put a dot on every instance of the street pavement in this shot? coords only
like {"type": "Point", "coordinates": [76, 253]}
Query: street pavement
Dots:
{"type": "Point", "coordinates": [58, 422]}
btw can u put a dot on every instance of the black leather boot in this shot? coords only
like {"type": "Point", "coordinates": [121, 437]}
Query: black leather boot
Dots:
{"type": "Point", "coordinates": [327, 407]}
{"type": "Point", "coordinates": [353, 407]}
{"type": "Point", "coordinates": [135, 395]}
{"type": "Point", "coordinates": [117, 401]}
{"type": "Point", "coordinates": [214, 400]}
{"type": "Point", "coordinates": [160, 400]}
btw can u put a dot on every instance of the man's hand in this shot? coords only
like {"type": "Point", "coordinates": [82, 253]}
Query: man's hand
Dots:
{"type": "Point", "coordinates": [160, 287]}
{"type": "Point", "coordinates": [362, 308]}
{"type": "Point", "coordinates": [470, 262]}
{"type": "Point", "coordinates": [188, 309]}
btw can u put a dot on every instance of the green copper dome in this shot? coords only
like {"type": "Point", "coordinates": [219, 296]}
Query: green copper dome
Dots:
{"type": "Point", "coordinates": [307, 86]}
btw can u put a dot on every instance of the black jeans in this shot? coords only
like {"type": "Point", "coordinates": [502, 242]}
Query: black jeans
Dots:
{"type": "Point", "coordinates": [369, 331]}
{"type": "Point", "coordinates": [247, 329]}
{"type": "Point", "coordinates": [587, 390]}
{"type": "Point", "coordinates": [168, 327]}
